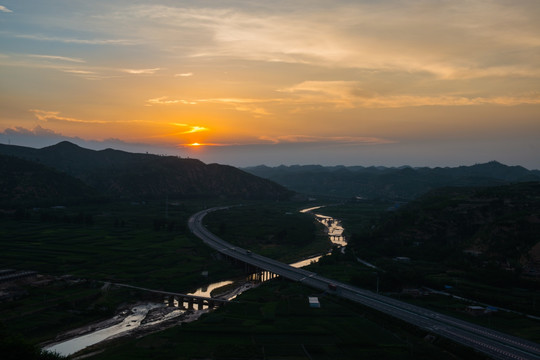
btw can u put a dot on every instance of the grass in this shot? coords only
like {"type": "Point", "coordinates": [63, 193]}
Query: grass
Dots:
{"type": "Point", "coordinates": [41, 313]}
{"type": "Point", "coordinates": [278, 231]}
{"type": "Point", "coordinates": [130, 250]}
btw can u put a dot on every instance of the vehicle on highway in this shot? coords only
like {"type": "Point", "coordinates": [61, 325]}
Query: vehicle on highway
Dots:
{"type": "Point", "coordinates": [332, 287]}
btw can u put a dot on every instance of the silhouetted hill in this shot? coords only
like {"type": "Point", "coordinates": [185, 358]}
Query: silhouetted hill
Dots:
{"type": "Point", "coordinates": [393, 183]}
{"type": "Point", "coordinates": [490, 226]}
{"type": "Point", "coordinates": [123, 174]}
{"type": "Point", "coordinates": [26, 183]}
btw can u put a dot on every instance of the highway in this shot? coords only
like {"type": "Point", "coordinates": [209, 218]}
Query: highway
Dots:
{"type": "Point", "coordinates": [492, 343]}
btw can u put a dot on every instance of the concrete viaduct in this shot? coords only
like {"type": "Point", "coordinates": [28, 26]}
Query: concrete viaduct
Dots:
{"type": "Point", "coordinates": [182, 301]}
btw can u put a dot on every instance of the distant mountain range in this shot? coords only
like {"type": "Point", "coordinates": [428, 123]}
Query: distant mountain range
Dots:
{"type": "Point", "coordinates": [68, 171]}
{"type": "Point", "coordinates": [404, 183]}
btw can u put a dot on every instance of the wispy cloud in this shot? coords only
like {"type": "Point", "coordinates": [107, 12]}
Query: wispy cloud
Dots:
{"type": "Point", "coordinates": [141, 71]}
{"type": "Point", "coordinates": [80, 72]}
{"type": "Point", "coordinates": [368, 35]}
{"type": "Point", "coordinates": [86, 74]}
{"type": "Point", "coordinates": [253, 106]}
{"type": "Point", "coordinates": [188, 74]}
{"type": "Point", "coordinates": [186, 129]}
{"type": "Point", "coordinates": [195, 129]}
{"type": "Point", "coordinates": [56, 57]}
{"type": "Point", "coordinates": [164, 100]}
{"type": "Point", "coordinates": [39, 37]}
{"type": "Point", "coordinates": [54, 116]}
{"type": "Point", "coordinates": [310, 95]}
{"type": "Point", "coordinates": [351, 94]}
{"type": "Point", "coordinates": [244, 105]}
{"type": "Point", "coordinates": [5, 9]}
{"type": "Point", "coordinates": [70, 65]}
{"type": "Point", "coordinates": [192, 128]}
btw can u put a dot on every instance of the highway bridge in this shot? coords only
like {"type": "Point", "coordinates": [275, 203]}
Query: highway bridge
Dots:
{"type": "Point", "coordinates": [182, 301]}
{"type": "Point", "coordinates": [492, 343]}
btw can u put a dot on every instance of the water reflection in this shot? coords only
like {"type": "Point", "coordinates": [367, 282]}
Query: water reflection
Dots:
{"type": "Point", "coordinates": [307, 262]}
{"type": "Point", "coordinates": [333, 227]}
{"type": "Point", "coordinates": [207, 290]}
{"type": "Point", "coordinates": [311, 209]}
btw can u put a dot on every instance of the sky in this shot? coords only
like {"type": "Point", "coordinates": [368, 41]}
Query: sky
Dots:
{"type": "Point", "coordinates": [351, 82]}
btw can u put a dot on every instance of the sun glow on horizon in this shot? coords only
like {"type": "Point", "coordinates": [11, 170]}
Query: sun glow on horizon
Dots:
{"type": "Point", "coordinates": [286, 83]}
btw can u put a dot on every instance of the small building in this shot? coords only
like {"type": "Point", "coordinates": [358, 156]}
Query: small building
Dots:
{"type": "Point", "coordinates": [475, 310]}
{"type": "Point", "coordinates": [314, 302]}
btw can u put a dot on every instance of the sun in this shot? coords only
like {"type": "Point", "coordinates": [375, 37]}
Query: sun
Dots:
{"type": "Point", "coordinates": [195, 144]}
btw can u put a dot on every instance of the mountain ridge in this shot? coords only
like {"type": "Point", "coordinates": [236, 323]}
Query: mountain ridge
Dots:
{"type": "Point", "coordinates": [123, 174]}
{"type": "Point", "coordinates": [397, 183]}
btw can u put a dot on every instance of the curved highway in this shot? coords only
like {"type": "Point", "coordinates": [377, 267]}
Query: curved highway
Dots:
{"type": "Point", "coordinates": [495, 344]}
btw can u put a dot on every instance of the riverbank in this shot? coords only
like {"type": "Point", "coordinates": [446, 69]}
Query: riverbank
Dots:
{"type": "Point", "coordinates": [140, 319]}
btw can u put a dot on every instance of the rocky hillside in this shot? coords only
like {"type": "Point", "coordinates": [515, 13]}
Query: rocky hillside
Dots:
{"type": "Point", "coordinates": [492, 225]}
{"type": "Point", "coordinates": [128, 175]}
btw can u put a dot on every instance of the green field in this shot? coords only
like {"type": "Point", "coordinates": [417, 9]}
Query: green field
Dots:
{"type": "Point", "coordinates": [124, 243]}
{"type": "Point", "coordinates": [149, 245]}
{"type": "Point", "coordinates": [143, 244]}
{"type": "Point", "coordinates": [278, 231]}
{"type": "Point", "coordinates": [138, 244]}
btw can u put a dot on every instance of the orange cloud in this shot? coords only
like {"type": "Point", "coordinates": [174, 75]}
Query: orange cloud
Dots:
{"type": "Point", "coordinates": [164, 100]}
{"type": "Point", "coordinates": [45, 115]}
{"type": "Point", "coordinates": [351, 94]}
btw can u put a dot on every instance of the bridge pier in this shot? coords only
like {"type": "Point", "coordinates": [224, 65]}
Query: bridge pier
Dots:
{"type": "Point", "coordinates": [259, 275]}
{"type": "Point", "coordinates": [181, 303]}
{"type": "Point", "coordinates": [190, 303]}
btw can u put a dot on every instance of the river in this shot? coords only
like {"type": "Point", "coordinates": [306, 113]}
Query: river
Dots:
{"type": "Point", "coordinates": [334, 229]}
{"type": "Point", "coordinates": [151, 314]}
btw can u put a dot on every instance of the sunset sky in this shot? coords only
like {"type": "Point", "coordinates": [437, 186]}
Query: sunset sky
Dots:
{"type": "Point", "coordinates": [420, 82]}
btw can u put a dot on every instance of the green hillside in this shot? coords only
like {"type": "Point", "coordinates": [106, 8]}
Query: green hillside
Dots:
{"type": "Point", "coordinates": [486, 228]}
